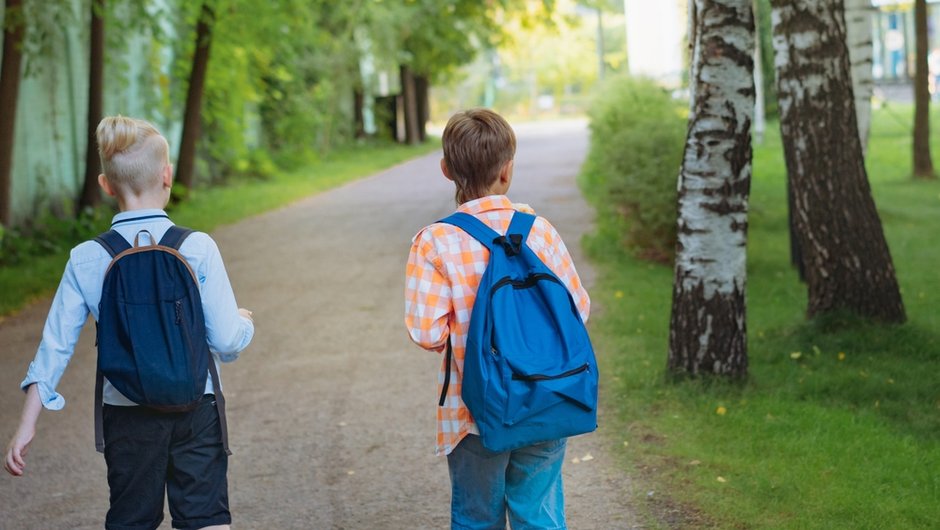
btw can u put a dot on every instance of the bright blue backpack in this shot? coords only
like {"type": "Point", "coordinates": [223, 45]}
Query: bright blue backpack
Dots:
{"type": "Point", "coordinates": [151, 339]}
{"type": "Point", "coordinates": [529, 372]}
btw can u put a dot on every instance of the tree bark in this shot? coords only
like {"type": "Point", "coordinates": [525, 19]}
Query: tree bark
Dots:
{"type": "Point", "coordinates": [859, 41]}
{"type": "Point", "coordinates": [410, 102]}
{"type": "Point", "coordinates": [848, 265]}
{"type": "Point", "coordinates": [708, 332]}
{"type": "Point", "coordinates": [422, 96]}
{"type": "Point", "coordinates": [9, 92]}
{"type": "Point", "coordinates": [192, 118]}
{"type": "Point", "coordinates": [923, 163]}
{"type": "Point", "coordinates": [90, 195]}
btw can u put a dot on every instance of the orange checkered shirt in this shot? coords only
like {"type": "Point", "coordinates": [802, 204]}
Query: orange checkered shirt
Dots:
{"type": "Point", "coordinates": [444, 269]}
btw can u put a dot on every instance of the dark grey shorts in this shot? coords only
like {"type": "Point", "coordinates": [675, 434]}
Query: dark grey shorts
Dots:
{"type": "Point", "coordinates": [149, 452]}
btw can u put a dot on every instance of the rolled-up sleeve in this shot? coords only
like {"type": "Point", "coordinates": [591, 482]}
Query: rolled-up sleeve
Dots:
{"type": "Point", "coordinates": [228, 332]}
{"type": "Point", "coordinates": [63, 326]}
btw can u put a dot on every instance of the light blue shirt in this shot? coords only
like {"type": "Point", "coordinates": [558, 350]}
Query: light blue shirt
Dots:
{"type": "Point", "coordinates": [80, 291]}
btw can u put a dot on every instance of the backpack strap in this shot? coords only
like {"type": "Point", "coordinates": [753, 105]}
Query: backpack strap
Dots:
{"type": "Point", "coordinates": [175, 236]}
{"type": "Point", "coordinates": [113, 242]}
{"type": "Point", "coordinates": [521, 224]}
{"type": "Point", "coordinates": [473, 226]}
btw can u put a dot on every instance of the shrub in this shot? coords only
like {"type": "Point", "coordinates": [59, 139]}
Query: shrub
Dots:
{"type": "Point", "coordinates": [637, 139]}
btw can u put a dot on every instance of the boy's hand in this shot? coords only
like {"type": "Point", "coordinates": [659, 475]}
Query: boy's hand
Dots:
{"type": "Point", "coordinates": [245, 313]}
{"type": "Point", "coordinates": [15, 461]}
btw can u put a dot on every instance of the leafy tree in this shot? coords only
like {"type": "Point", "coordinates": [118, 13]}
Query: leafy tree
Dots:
{"type": "Point", "coordinates": [192, 115]}
{"type": "Point", "coordinates": [90, 195]}
{"type": "Point", "coordinates": [13, 30]}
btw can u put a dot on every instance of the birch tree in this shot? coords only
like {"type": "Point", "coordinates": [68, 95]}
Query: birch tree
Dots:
{"type": "Point", "coordinates": [844, 251]}
{"type": "Point", "coordinates": [858, 37]}
{"type": "Point", "coordinates": [707, 331]}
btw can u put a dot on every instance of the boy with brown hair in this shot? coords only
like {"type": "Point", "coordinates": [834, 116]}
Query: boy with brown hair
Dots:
{"type": "Point", "coordinates": [443, 273]}
{"type": "Point", "coordinates": [150, 454]}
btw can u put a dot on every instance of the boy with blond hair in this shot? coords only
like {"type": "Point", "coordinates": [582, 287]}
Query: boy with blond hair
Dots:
{"type": "Point", "coordinates": [148, 451]}
{"type": "Point", "coordinates": [444, 270]}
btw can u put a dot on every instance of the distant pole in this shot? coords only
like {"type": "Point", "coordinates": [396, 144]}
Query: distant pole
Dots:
{"type": "Point", "coordinates": [601, 66]}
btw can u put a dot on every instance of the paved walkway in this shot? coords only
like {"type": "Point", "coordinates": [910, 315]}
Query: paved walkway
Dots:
{"type": "Point", "coordinates": [331, 408]}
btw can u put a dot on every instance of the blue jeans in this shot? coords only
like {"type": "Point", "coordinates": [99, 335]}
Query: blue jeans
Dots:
{"type": "Point", "coordinates": [525, 483]}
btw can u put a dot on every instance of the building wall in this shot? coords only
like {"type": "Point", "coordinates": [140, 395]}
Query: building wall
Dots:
{"type": "Point", "coordinates": [50, 135]}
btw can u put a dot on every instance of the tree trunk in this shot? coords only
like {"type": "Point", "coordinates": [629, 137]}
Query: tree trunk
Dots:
{"type": "Point", "coordinates": [760, 111]}
{"type": "Point", "coordinates": [923, 164]}
{"type": "Point", "coordinates": [424, 105]}
{"type": "Point", "coordinates": [708, 332]}
{"type": "Point", "coordinates": [192, 119]}
{"type": "Point", "coordinates": [848, 265]}
{"type": "Point", "coordinates": [359, 101]}
{"type": "Point", "coordinates": [859, 41]}
{"type": "Point", "coordinates": [410, 103]}
{"type": "Point", "coordinates": [90, 195]}
{"type": "Point", "coordinates": [9, 92]}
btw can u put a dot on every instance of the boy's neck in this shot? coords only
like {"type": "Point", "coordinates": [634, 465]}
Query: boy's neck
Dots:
{"type": "Point", "coordinates": [147, 202]}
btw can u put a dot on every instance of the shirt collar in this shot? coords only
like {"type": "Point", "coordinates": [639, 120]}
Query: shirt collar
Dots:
{"type": "Point", "coordinates": [132, 216]}
{"type": "Point", "coordinates": [486, 204]}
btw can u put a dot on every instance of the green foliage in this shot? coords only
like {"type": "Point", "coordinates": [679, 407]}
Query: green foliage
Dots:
{"type": "Point", "coordinates": [838, 424]}
{"type": "Point", "coordinates": [32, 261]}
{"type": "Point", "coordinates": [637, 139]}
{"type": "Point", "coordinates": [48, 235]}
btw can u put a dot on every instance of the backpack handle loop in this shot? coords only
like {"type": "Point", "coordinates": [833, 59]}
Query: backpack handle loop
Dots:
{"type": "Point", "coordinates": [153, 242]}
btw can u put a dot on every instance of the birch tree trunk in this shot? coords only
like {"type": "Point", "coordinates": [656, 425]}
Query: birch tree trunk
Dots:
{"type": "Point", "coordinates": [848, 265]}
{"type": "Point", "coordinates": [707, 331]}
{"type": "Point", "coordinates": [858, 37]}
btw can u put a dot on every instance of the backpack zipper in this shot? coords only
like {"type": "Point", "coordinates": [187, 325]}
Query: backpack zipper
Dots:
{"type": "Point", "coordinates": [542, 377]}
{"type": "Point", "coordinates": [179, 312]}
{"type": "Point", "coordinates": [529, 281]}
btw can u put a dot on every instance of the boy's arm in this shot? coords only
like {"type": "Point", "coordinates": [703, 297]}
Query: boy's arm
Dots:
{"type": "Point", "coordinates": [554, 253]}
{"type": "Point", "coordinates": [427, 296]}
{"type": "Point", "coordinates": [15, 461]}
{"type": "Point", "coordinates": [228, 328]}
{"type": "Point", "coordinates": [67, 316]}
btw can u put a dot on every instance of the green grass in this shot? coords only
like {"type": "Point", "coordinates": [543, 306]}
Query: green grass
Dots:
{"type": "Point", "coordinates": [209, 208]}
{"type": "Point", "coordinates": [809, 440]}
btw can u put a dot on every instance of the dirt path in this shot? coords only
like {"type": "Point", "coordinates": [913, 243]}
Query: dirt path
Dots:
{"type": "Point", "coordinates": [331, 408]}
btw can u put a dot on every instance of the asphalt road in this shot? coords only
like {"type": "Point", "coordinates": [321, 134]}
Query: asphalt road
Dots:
{"type": "Point", "coordinates": [331, 408]}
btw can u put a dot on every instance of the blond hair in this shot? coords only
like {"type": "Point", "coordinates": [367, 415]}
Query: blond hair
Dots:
{"type": "Point", "coordinates": [477, 144]}
{"type": "Point", "coordinates": [133, 153]}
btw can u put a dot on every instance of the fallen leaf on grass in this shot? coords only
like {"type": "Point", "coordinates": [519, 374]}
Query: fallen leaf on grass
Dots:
{"type": "Point", "coordinates": [722, 479]}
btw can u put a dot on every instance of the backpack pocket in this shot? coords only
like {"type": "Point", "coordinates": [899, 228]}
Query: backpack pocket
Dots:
{"type": "Point", "coordinates": [531, 395]}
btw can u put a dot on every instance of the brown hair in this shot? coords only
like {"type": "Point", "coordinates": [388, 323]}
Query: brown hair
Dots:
{"type": "Point", "coordinates": [133, 153]}
{"type": "Point", "coordinates": [477, 144]}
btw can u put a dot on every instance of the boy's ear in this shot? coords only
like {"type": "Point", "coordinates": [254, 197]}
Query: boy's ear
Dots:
{"type": "Point", "coordinates": [168, 176]}
{"type": "Point", "coordinates": [505, 174]}
{"type": "Point", "coordinates": [106, 186]}
{"type": "Point", "coordinates": [444, 170]}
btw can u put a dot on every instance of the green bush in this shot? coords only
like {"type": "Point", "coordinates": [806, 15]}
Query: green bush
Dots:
{"type": "Point", "coordinates": [637, 139]}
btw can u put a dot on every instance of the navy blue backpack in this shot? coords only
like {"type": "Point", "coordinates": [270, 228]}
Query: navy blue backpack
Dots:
{"type": "Point", "coordinates": [151, 340]}
{"type": "Point", "coordinates": [529, 372]}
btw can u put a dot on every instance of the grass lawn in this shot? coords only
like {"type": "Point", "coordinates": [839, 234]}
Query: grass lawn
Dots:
{"type": "Point", "coordinates": [208, 208]}
{"type": "Point", "coordinates": [838, 425]}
